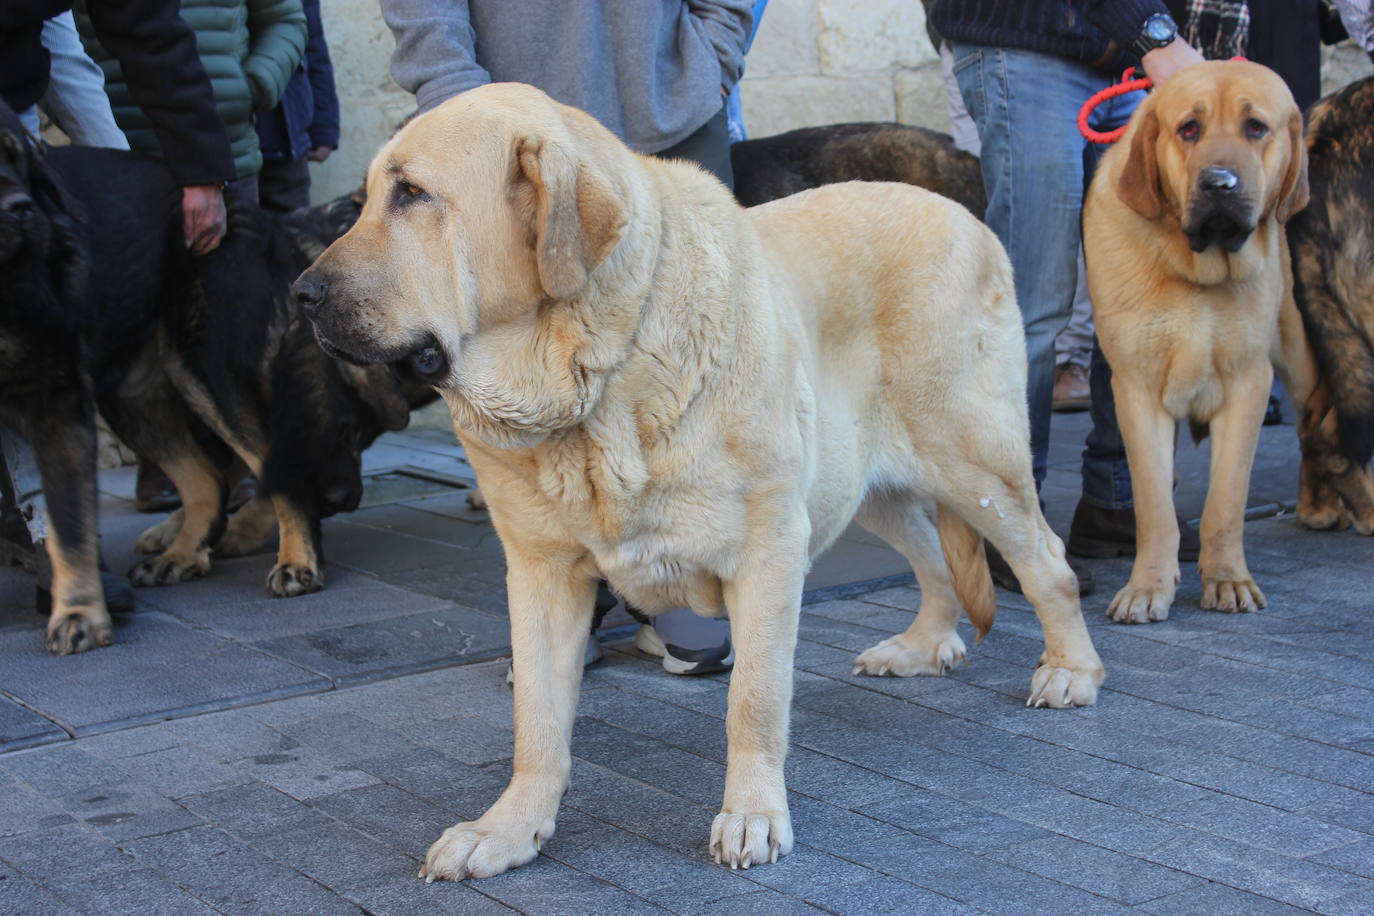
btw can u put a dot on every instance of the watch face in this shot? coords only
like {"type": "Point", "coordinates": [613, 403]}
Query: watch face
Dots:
{"type": "Point", "coordinates": [1160, 29]}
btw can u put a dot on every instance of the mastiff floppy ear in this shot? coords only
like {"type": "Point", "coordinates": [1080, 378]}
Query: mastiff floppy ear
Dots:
{"type": "Point", "coordinates": [578, 217]}
{"type": "Point", "coordinates": [1138, 184]}
{"type": "Point", "coordinates": [1294, 193]}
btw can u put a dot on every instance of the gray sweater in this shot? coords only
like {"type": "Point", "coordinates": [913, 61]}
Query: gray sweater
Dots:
{"type": "Point", "coordinates": [652, 71]}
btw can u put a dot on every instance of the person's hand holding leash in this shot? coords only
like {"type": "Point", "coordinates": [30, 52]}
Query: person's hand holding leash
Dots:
{"type": "Point", "coordinates": [1162, 63]}
{"type": "Point", "coordinates": [203, 219]}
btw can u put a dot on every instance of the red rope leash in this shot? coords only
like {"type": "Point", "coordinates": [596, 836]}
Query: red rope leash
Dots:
{"type": "Point", "coordinates": [1127, 84]}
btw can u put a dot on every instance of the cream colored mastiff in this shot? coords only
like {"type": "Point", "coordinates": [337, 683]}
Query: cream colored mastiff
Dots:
{"type": "Point", "coordinates": [693, 400]}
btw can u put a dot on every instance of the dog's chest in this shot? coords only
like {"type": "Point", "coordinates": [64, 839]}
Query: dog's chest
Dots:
{"type": "Point", "coordinates": [663, 530]}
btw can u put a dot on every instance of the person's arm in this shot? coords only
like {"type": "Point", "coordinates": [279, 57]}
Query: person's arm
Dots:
{"type": "Point", "coordinates": [277, 32]}
{"type": "Point", "coordinates": [1358, 18]}
{"type": "Point", "coordinates": [435, 55]}
{"type": "Point", "coordinates": [324, 125]}
{"type": "Point", "coordinates": [726, 25]}
{"type": "Point", "coordinates": [156, 50]}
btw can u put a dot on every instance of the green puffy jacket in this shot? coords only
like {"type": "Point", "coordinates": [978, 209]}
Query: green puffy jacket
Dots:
{"type": "Point", "coordinates": [249, 49]}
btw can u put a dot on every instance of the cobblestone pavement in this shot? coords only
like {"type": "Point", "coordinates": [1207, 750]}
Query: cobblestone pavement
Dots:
{"type": "Point", "coordinates": [237, 754]}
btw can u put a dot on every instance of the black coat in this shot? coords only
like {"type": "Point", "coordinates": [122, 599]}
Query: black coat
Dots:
{"type": "Point", "coordinates": [157, 52]}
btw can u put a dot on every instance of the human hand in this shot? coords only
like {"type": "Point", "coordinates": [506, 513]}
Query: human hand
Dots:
{"type": "Point", "coordinates": [203, 219]}
{"type": "Point", "coordinates": [319, 153]}
{"type": "Point", "coordinates": [1162, 63]}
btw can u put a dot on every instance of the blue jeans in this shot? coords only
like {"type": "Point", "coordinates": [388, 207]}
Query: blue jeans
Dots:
{"type": "Point", "coordinates": [1036, 166]}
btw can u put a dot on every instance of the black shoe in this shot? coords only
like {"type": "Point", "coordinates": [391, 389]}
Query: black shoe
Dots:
{"type": "Point", "coordinates": [1003, 576]}
{"type": "Point", "coordinates": [153, 490]}
{"type": "Point", "coordinates": [119, 594]}
{"type": "Point", "coordinates": [1106, 533]}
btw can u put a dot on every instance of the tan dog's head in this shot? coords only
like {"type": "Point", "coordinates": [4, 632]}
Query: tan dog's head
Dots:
{"type": "Point", "coordinates": [481, 216]}
{"type": "Point", "coordinates": [1218, 148]}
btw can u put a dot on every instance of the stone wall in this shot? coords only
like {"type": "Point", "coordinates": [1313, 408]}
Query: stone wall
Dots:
{"type": "Point", "coordinates": [813, 62]}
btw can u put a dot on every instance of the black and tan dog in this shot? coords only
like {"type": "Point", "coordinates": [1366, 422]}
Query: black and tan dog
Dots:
{"type": "Point", "coordinates": [45, 388]}
{"type": "Point", "coordinates": [200, 365]}
{"type": "Point", "coordinates": [769, 168]}
{"type": "Point", "coordinates": [1332, 241]}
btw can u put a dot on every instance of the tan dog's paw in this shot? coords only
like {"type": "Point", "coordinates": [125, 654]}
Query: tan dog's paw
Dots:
{"type": "Point", "coordinates": [79, 630]}
{"type": "Point", "coordinates": [1231, 595]}
{"type": "Point", "coordinates": [1141, 603]}
{"type": "Point", "coordinates": [893, 657]}
{"type": "Point", "coordinates": [165, 569]}
{"type": "Point", "coordinates": [1061, 687]}
{"type": "Point", "coordinates": [287, 580]}
{"type": "Point", "coordinates": [742, 840]}
{"type": "Point", "coordinates": [159, 537]}
{"type": "Point", "coordinates": [469, 850]}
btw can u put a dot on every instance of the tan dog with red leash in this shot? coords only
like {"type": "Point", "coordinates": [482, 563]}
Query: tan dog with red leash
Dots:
{"type": "Point", "coordinates": [1190, 280]}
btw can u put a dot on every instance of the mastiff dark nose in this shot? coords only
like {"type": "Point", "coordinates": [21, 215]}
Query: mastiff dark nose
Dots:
{"type": "Point", "coordinates": [1217, 180]}
{"type": "Point", "coordinates": [309, 292]}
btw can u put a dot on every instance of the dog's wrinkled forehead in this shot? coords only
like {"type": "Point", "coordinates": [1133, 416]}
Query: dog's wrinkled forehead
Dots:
{"type": "Point", "coordinates": [1224, 92]}
{"type": "Point", "coordinates": [471, 128]}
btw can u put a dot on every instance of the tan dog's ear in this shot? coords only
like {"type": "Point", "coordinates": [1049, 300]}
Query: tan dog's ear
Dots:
{"type": "Point", "coordinates": [1294, 193]}
{"type": "Point", "coordinates": [1138, 184]}
{"type": "Point", "coordinates": [578, 218]}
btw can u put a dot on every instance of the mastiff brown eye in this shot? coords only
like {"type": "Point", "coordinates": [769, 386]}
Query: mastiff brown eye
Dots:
{"type": "Point", "coordinates": [1189, 131]}
{"type": "Point", "coordinates": [1255, 129]}
{"type": "Point", "coordinates": [407, 193]}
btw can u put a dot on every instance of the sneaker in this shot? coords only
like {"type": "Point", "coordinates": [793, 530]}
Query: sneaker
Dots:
{"type": "Point", "coordinates": [688, 643]}
{"type": "Point", "coordinates": [1106, 533]}
{"type": "Point", "coordinates": [1071, 391]}
{"type": "Point", "coordinates": [1005, 578]}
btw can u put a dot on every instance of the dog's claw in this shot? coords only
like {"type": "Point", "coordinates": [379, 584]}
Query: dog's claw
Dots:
{"type": "Point", "coordinates": [1061, 687]}
{"type": "Point", "coordinates": [79, 631]}
{"type": "Point", "coordinates": [166, 570]}
{"type": "Point", "coordinates": [894, 657]}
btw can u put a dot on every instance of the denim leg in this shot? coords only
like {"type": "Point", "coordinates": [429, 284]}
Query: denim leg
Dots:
{"type": "Point", "coordinates": [1025, 106]}
{"type": "Point", "coordinates": [1106, 475]}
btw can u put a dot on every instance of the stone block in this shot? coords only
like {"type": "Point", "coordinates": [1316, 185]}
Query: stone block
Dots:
{"type": "Point", "coordinates": [854, 37]}
{"type": "Point", "coordinates": [773, 105]}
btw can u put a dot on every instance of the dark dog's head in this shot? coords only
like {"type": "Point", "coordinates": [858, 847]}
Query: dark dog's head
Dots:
{"type": "Point", "coordinates": [1219, 149]}
{"type": "Point", "coordinates": [26, 193]}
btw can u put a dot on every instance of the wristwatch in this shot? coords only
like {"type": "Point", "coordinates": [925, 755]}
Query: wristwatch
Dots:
{"type": "Point", "coordinates": [1158, 31]}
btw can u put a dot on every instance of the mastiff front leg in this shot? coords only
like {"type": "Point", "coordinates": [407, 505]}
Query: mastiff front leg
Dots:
{"type": "Point", "coordinates": [764, 601]}
{"type": "Point", "coordinates": [550, 616]}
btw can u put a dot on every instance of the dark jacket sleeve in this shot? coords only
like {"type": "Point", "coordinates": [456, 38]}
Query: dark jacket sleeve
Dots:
{"type": "Point", "coordinates": [157, 52]}
{"type": "Point", "coordinates": [1122, 19]}
{"type": "Point", "coordinates": [324, 126]}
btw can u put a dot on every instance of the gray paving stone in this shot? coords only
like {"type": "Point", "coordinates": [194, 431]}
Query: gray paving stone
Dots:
{"type": "Point", "coordinates": [404, 822]}
{"type": "Point", "coordinates": [411, 896]}
{"type": "Point", "coordinates": [21, 728]}
{"type": "Point", "coordinates": [1259, 825]}
{"type": "Point", "coordinates": [546, 886]}
{"type": "Point", "coordinates": [462, 790]}
{"type": "Point", "coordinates": [232, 877]}
{"type": "Point", "coordinates": [394, 646]}
{"type": "Point", "coordinates": [1097, 870]}
{"type": "Point", "coordinates": [26, 810]}
{"type": "Point", "coordinates": [339, 857]}
{"type": "Point", "coordinates": [953, 822]}
{"type": "Point", "coordinates": [20, 895]}
{"type": "Point", "coordinates": [276, 618]}
{"type": "Point", "coordinates": [92, 875]}
{"type": "Point", "coordinates": [1218, 900]}
{"type": "Point", "coordinates": [304, 773]}
{"type": "Point", "coordinates": [127, 811]}
{"type": "Point", "coordinates": [1357, 857]}
{"type": "Point", "coordinates": [762, 902]}
{"type": "Point", "coordinates": [254, 810]}
{"type": "Point", "coordinates": [158, 668]}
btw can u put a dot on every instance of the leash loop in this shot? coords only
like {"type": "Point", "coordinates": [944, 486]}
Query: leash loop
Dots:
{"type": "Point", "coordinates": [1129, 83]}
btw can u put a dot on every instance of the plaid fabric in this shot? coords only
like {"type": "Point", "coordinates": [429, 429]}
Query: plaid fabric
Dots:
{"type": "Point", "coordinates": [1218, 28]}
